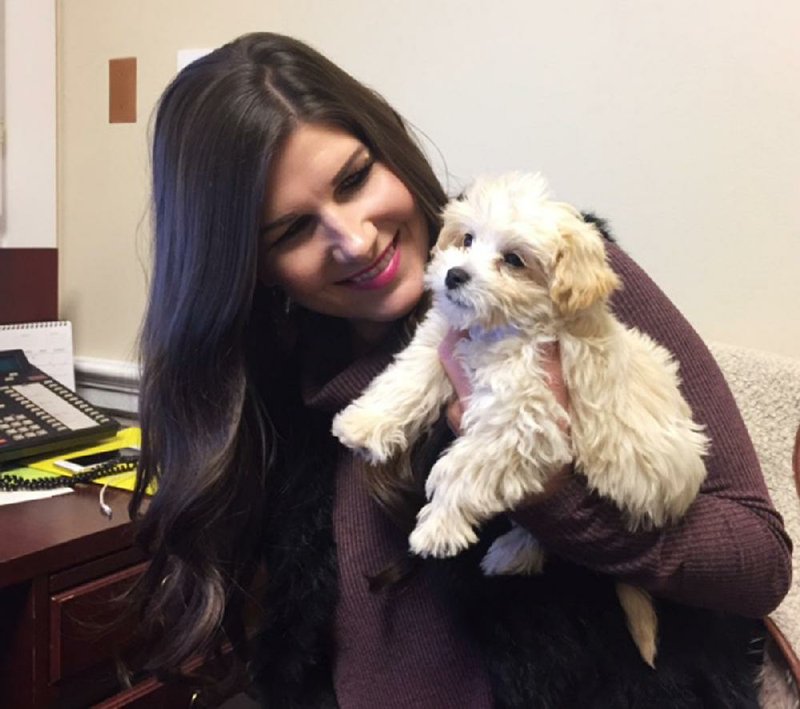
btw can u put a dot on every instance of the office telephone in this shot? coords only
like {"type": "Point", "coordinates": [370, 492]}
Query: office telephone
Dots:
{"type": "Point", "coordinates": [38, 415]}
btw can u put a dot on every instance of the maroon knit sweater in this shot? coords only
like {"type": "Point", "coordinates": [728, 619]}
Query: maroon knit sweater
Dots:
{"type": "Point", "coordinates": [730, 552]}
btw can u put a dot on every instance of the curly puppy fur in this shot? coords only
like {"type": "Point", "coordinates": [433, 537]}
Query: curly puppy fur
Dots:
{"type": "Point", "coordinates": [517, 270]}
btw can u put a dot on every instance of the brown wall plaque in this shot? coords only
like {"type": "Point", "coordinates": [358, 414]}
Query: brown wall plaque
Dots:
{"type": "Point", "coordinates": [122, 90]}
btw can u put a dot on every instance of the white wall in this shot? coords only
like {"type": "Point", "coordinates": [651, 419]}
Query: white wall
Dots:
{"type": "Point", "coordinates": [678, 120]}
{"type": "Point", "coordinates": [29, 201]}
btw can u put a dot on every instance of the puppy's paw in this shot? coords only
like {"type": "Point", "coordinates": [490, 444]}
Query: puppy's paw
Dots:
{"type": "Point", "coordinates": [516, 552]}
{"type": "Point", "coordinates": [440, 533]}
{"type": "Point", "coordinates": [368, 434]}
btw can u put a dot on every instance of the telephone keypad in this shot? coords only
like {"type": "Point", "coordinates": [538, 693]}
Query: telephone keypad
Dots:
{"type": "Point", "coordinates": [20, 427]}
{"type": "Point", "coordinates": [39, 415]}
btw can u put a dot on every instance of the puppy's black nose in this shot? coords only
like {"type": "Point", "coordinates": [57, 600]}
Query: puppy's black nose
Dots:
{"type": "Point", "coordinates": [456, 277]}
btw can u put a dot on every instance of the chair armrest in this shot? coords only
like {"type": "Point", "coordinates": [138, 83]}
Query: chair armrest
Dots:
{"type": "Point", "coordinates": [796, 461]}
{"type": "Point", "coordinates": [785, 648]}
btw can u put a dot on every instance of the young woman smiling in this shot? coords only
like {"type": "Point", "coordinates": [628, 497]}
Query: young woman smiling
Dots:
{"type": "Point", "coordinates": [338, 223]}
{"type": "Point", "coordinates": [293, 217]}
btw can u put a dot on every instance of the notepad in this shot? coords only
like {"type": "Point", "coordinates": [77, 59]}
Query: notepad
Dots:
{"type": "Point", "coordinates": [47, 345]}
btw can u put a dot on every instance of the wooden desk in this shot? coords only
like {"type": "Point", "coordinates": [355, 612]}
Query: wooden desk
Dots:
{"type": "Point", "coordinates": [61, 564]}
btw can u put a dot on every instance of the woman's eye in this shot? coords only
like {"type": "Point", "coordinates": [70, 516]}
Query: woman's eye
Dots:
{"type": "Point", "coordinates": [355, 179]}
{"type": "Point", "coordinates": [513, 260]}
{"type": "Point", "coordinates": [468, 239]}
{"type": "Point", "coordinates": [298, 226]}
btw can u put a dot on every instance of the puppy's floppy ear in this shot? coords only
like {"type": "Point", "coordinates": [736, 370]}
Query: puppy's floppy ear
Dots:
{"type": "Point", "coordinates": [454, 215]}
{"type": "Point", "coordinates": [581, 274]}
{"type": "Point", "coordinates": [451, 232]}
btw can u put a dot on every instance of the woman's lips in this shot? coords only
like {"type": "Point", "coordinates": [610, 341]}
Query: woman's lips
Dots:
{"type": "Point", "coordinates": [380, 273]}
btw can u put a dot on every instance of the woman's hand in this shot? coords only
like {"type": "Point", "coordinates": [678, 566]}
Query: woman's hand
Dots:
{"type": "Point", "coordinates": [458, 378]}
{"type": "Point", "coordinates": [551, 362]}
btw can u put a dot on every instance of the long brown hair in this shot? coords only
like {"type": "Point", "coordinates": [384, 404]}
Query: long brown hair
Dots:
{"type": "Point", "coordinates": [218, 401]}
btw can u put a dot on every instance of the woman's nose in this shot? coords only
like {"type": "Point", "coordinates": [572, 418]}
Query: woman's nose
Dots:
{"type": "Point", "coordinates": [351, 235]}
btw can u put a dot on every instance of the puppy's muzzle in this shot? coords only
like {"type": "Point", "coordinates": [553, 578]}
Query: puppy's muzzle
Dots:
{"type": "Point", "coordinates": [456, 277]}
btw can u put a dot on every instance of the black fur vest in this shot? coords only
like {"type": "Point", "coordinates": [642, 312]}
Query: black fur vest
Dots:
{"type": "Point", "coordinates": [555, 641]}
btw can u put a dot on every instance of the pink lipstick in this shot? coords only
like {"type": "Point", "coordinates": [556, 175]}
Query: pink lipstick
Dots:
{"type": "Point", "coordinates": [380, 273]}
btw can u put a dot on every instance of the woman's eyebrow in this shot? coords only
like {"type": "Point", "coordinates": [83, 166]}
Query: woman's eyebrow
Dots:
{"type": "Point", "coordinates": [341, 173]}
{"type": "Point", "coordinates": [348, 165]}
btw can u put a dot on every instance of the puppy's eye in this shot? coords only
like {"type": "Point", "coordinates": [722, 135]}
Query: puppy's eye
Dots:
{"type": "Point", "coordinates": [468, 239]}
{"type": "Point", "coordinates": [513, 260]}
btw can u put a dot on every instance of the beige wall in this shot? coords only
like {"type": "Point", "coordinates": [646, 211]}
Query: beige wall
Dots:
{"type": "Point", "coordinates": [678, 120]}
{"type": "Point", "coordinates": [28, 214]}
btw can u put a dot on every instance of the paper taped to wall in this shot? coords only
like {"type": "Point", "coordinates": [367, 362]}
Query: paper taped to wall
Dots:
{"type": "Point", "coordinates": [47, 345]}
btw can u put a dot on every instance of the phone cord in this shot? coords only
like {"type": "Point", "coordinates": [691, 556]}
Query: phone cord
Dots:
{"type": "Point", "coordinates": [9, 482]}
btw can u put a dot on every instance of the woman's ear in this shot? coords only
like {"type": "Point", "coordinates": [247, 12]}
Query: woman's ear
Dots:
{"type": "Point", "coordinates": [263, 273]}
{"type": "Point", "coordinates": [581, 274]}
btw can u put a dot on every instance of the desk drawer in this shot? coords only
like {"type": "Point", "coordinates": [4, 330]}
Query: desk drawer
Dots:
{"type": "Point", "coordinates": [84, 624]}
{"type": "Point", "coordinates": [152, 694]}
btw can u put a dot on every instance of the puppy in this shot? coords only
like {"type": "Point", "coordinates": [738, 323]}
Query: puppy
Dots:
{"type": "Point", "coordinates": [517, 270]}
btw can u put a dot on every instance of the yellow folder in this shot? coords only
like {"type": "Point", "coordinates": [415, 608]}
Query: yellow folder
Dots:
{"type": "Point", "coordinates": [125, 438]}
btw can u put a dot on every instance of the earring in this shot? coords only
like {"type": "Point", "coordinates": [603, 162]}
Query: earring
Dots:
{"type": "Point", "coordinates": [288, 305]}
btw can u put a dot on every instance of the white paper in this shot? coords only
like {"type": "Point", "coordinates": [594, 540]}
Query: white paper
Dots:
{"type": "Point", "coordinates": [187, 56]}
{"type": "Point", "coordinates": [12, 498]}
{"type": "Point", "coordinates": [47, 345]}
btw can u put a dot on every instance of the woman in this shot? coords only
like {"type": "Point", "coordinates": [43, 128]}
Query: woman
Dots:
{"type": "Point", "coordinates": [293, 215]}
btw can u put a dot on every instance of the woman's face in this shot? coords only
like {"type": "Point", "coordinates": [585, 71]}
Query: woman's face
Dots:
{"type": "Point", "coordinates": [342, 235]}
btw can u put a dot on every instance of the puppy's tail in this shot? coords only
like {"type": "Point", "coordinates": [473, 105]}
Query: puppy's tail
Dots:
{"type": "Point", "coordinates": [642, 621]}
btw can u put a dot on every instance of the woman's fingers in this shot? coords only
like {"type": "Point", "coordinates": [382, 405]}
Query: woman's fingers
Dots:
{"type": "Point", "coordinates": [454, 412]}
{"type": "Point", "coordinates": [458, 377]}
{"type": "Point", "coordinates": [550, 353]}
{"type": "Point", "coordinates": [551, 363]}
{"type": "Point", "coordinates": [452, 365]}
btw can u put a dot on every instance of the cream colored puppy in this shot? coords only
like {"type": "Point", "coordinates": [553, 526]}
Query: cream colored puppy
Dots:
{"type": "Point", "coordinates": [517, 270]}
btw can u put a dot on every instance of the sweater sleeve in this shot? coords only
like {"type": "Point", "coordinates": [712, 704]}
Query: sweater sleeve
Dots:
{"type": "Point", "coordinates": [730, 551]}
